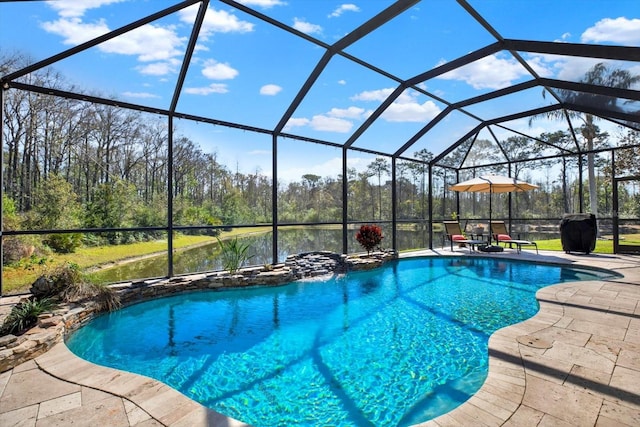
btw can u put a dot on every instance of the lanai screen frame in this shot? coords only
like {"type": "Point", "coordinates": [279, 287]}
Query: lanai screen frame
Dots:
{"type": "Point", "coordinates": [608, 52]}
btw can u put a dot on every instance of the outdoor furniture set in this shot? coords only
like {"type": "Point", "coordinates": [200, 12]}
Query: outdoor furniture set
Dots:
{"type": "Point", "coordinates": [498, 232]}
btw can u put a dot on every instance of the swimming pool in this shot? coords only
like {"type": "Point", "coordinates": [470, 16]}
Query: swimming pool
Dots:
{"type": "Point", "coordinates": [392, 346]}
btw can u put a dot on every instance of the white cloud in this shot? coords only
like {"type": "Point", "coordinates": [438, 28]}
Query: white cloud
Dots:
{"type": "Point", "coordinates": [411, 112]}
{"type": "Point", "coordinates": [218, 71]}
{"type": "Point", "coordinates": [140, 95]}
{"type": "Point", "coordinates": [265, 4]}
{"type": "Point", "coordinates": [149, 42]}
{"type": "Point", "coordinates": [321, 122]}
{"type": "Point", "coordinates": [215, 21]}
{"type": "Point", "coordinates": [159, 68]}
{"type": "Point", "coordinates": [270, 89]}
{"type": "Point", "coordinates": [342, 82]}
{"type": "Point", "coordinates": [77, 8]}
{"type": "Point", "coordinates": [405, 108]}
{"type": "Point", "coordinates": [373, 95]}
{"type": "Point", "coordinates": [333, 121]}
{"type": "Point", "coordinates": [296, 122]}
{"type": "Point", "coordinates": [306, 27]}
{"type": "Point", "coordinates": [490, 72]}
{"type": "Point", "coordinates": [349, 113]}
{"type": "Point", "coordinates": [159, 46]}
{"type": "Point", "coordinates": [347, 7]}
{"type": "Point", "coordinates": [571, 68]}
{"type": "Point", "coordinates": [74, 31]}
{"type": "Point", "coordinates": [212, 88]}
{"type": "Point", "coordinates": [540, 65]}
{"type": "Point", "coordinates": [201, 48]}
{"type": "Point", "coordinates": [574, 68]}
{"type": "Point", "coordinates": [619, 30]}
{"type": "Point", "coordinates": [325, 123]}
{"type": "Point", "coordinates": [538, 126]}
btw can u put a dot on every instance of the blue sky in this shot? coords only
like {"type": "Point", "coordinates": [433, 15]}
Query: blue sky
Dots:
{"type": "Point", "coordinates": [247, 71]}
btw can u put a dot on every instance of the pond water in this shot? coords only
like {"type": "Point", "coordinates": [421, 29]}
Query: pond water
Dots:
{"type": "Point", "coordinates": [205, 258]}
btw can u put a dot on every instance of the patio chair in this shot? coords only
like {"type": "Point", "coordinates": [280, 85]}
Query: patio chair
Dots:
{"type": "Point", "coordinates": [453, 233]}
{"type": "Point", "coordinates": [501, 235]}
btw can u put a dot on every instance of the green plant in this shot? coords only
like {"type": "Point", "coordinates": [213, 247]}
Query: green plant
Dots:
{"type": "Point", "coordinates": [104, 296]}
{"type": "Point", "coordinates": [234, 254]}
{"type": "Point", "coordinates": [25, 314]}
{"type": "Point", "coordinates": [369, 236]}
{"type": "Point", "coordinates": [68, 283]}
{"type": "Point", "coordinates": [64, 243]}
{"type": "Point", "coordinates": [55, 280]}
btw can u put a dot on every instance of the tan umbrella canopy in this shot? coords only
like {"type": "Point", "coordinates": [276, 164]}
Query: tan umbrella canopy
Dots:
{"type": "Point", "coordinates": [492, 184]}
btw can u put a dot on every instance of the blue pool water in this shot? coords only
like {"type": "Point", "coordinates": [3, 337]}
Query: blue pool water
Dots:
{"type": "Point", "coordinates": [393, 346]}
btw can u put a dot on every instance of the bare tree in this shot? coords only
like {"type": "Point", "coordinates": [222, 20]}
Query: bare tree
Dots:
{"type": "Point", "coordinates": [376, 168]}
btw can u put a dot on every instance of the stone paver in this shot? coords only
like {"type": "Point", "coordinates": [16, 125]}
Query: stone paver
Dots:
{"type": "Point", "coordinates": [60, 404]}
{"type": "Point", "coordinates": [21, 417]}
{"type": "Point", "coordinates": [33, 386]}
{"type": "Point", "coordinates": [576, 363]}
{"type": "Point", "coordinates": [106, 412]}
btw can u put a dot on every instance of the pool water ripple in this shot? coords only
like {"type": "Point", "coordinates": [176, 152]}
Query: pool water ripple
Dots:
{"type": "Point", "coordinates": [393, 346]}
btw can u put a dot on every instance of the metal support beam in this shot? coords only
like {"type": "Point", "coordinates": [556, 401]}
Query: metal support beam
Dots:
{"type": "Point", "coordinates": [274, 197]}
{"type": "Point", "coordinates": [430, 205]}
{"type": "Point", "coordinates": [621, 53]}
{"type": "Point", "coordinates": [394, 205]}
{"type": "Point", "coordinates": [191, 47]}
{"type": "Point", "coordinates": [345, 202]}
{"type": "Point", "coordinates": [170, 197]}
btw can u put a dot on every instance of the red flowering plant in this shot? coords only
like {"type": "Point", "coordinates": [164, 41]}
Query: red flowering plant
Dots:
{"type": "Point", "coordinates": [369, 237]}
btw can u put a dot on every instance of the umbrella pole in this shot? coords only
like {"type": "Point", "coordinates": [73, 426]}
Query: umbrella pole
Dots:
{"type": "Point", "coordinates": [489, 225]}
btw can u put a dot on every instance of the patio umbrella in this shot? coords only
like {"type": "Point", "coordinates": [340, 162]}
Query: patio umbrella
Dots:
{"type": "Point", "coordinates": [492, 184]}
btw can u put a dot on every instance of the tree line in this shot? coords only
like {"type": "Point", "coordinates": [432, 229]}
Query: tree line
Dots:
{"type": "Point", "coordinates": [69, 164]}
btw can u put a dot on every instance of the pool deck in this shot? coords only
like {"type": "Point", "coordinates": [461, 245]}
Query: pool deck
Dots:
{"type": "Point", "coordinates": [576, 363]}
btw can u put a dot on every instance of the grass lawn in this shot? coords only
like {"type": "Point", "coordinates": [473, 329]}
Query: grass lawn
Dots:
{"type": "Point", "coordinates": [18, 278]}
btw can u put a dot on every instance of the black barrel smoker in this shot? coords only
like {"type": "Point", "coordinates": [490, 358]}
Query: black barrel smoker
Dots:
{"type": "Point", "coordinates": [578, 232]}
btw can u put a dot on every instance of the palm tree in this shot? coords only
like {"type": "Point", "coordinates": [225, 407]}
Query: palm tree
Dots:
{"type": "Point", "coordinates": [600, 75]}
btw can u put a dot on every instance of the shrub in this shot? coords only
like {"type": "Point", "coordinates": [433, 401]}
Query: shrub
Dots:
{"type": "Point", "coordinates": [15, 248]}
{"type": "Point", "coordinates": [64, 243]}
{"type": "Point", "coordinates": [25, 314]}
{"type": "Point", "coordinates": [70, 285]}
{"type": "Point", "coordinates": [369, 237]}
{"type": "Point", "coordinates": [103, 295]}
{"type": "Point", "coordinates": [233, 253]}
{"type": "Point", "coordinates": [54, 280]}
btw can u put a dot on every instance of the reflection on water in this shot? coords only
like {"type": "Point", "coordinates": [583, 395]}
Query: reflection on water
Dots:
{"type": "Point", "coordinates": [290, 241]}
